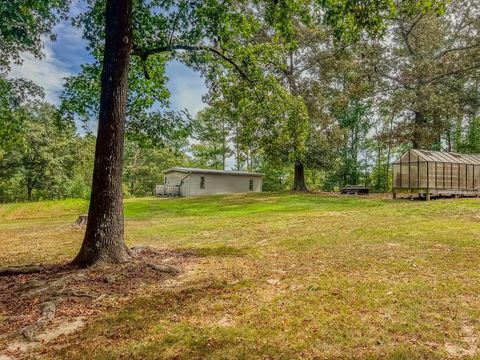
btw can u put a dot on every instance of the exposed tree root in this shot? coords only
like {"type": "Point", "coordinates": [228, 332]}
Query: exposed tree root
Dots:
{"type": "Point", "coordinates": [35, 287]}
{"type": "Point", "coordinates": [164, 269]}
{"type": "Point", "coordinates": [90, 256]}
{"type": "Point", "coordinates": [81, 221]}
{"type": "Point", "coordinates": [74, 293]}
{"type": "Point", "coordinates": [139, 250]}
{"type": "Point", "coordinates": [53, 291]}
{"type": "Point", "coordinates": [67, 292]}
{"type": "Point", "coordinates": [49, 309]}
{"type": "Point", "coordinates": [29, 269]}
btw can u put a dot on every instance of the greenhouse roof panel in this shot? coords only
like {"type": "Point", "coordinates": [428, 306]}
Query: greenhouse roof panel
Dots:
{"type": "Point", "coordinates": [447, 157]}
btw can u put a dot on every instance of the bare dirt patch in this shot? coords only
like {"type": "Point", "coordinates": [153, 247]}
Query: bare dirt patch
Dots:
{"type": "Point", "coordinates": [39, 307]}
{"type": "Point", "coordinates": [468, 346]}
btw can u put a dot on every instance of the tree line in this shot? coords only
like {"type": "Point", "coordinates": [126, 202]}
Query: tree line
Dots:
{"type": "Point", "coordinates": [44, 157]}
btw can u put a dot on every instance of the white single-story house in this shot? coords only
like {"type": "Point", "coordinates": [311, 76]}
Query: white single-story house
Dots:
{"type": "Point", "coordinates": [182, 181]}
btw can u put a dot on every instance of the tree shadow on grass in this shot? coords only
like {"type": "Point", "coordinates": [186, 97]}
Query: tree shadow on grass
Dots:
{"type": "Point", "coordinates": [159, 326]}
{"type": "Point", "coordinates": [31, 303]}
{"type": "Point", "coordinates": [221, 251]}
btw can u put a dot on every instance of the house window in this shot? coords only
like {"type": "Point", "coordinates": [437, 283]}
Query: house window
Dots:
{"type": "Point", "coordinates": [250, 186]}
{"type": "Point", "coordinates": [202, 182]}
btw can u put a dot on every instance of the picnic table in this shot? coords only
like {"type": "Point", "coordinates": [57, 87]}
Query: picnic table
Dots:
{"type": "Point", "coordinates": [355, 190]}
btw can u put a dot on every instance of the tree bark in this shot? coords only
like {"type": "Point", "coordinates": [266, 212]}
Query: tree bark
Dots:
{"type": "Point", "coordinates": [449, 139]}
{"type": "Point", "coordinates": [387, 170]}
{"type": "Point", "coordinates": [299, 177]}
{"type": "Point", "coordinates": [419, 128]}
{"type": "Point", "coordinates": [224, 144]}
{"type": "Point", "coordinates": [104, 241]}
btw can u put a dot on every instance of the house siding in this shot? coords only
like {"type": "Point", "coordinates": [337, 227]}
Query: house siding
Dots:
{"type": "Point", "coordinates": [174, 178]}
{"type": "Point", "coordinates": [215, 183]}
{"type": "Point", "coordinates": [222, 184]}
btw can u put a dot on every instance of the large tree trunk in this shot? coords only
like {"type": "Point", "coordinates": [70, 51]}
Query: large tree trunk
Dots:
{"type": "Point", "coordinates": [449, 139]}
{"type": "Point", "coordinates": [389, 153]}
{"type": "Point", "coordinates": [103, 240]}
{"type": "Point", "coordinates": [224, 145]}
{"type": "Point", "coordinates": [299, 177]}
{"type": "Point", "coordinates": [418, 131]}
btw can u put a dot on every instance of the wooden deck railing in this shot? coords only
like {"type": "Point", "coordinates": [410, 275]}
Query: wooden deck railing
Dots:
{"type": "Point", "coordinates": [167, 190]}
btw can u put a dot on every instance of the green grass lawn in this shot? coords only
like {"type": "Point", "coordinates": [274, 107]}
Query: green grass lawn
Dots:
{"type": "Point", "coordinates": [279, 276]}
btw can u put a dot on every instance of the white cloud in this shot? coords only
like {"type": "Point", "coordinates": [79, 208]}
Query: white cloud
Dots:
{"type": "Point", "coordinates": [64, 57]}
{"type": "Point", "coordinates": [70, 48]}
{"type": "Point", "coordinates": [186, 87]}
{"type": "Point", "coordinates": [47, 73]}
{"type": "Point", "coordinates": [61, 58]}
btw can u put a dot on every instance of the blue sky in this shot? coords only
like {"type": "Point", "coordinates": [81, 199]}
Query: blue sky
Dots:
{"type": "Point", "coordinates": [64, 56]}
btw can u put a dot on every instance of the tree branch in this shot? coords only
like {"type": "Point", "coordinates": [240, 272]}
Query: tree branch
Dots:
{"type": "Point", "coordinates": [453, 72]}
{"type": "Point", "coordinates": [183, 6]}
{"type": "Point", "coordinates": [406, 40]}
{"type": "Point", "coordinates": [145, 53]}
{"type": "Point", "coordinates": [460, 48]}
{"type": "Point", "coordinates": [406, 33]}
{"type": "Point", "coordinates": [392, 78]}
{"type": "Point", "coordinates": [415, 22]}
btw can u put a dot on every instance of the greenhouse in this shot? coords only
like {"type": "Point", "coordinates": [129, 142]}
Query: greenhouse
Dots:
{"type": "Point", "coordinates": [436, 173]}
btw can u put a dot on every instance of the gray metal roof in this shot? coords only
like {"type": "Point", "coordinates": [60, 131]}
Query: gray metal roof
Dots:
{"type": "Point", "coordinates": [447, 157]}
{"type": "Point", "coordinates": [188, 170]}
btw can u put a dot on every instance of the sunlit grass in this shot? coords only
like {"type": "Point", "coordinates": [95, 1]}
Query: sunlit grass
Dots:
{"type": "Point", "coordinates": [279, 276]}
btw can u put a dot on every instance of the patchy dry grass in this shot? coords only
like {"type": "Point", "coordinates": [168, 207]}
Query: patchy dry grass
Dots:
{"type": "Point", "coordinates": [279, 276]}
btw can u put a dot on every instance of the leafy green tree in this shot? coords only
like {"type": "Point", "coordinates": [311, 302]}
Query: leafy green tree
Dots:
{"type": "Point", "coordinates": [276, 177]}
{"type": "Point", "coordinates": [287, 143]}
{"type": "Point", "coordinates": [143, 166]}
{"type": "Point", "coordinates": [169, 129]}
{"type": "Point", "coordinates": [313, 68]}
{"type": "Point", "coordinates": [353, 118]}
{"type": "Point", "coordinates": [210, 136]}
{"type": "Point", "coordinates": [43, 158]}
{"type": "Point", "coordinates": [469, 142]}
{"type": "Point", "coordinates": [84, 151]}
{"type": "Point", "coordinates": [23, 25]}
{"type": "Point", "coordinates": [13, 94]}
{"type": "Point", "coordinates": [161, 28]}
{"type": "Point", "coordinates": [265, 120]}
{"type": "Point", "coordinates": [425, 67]}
